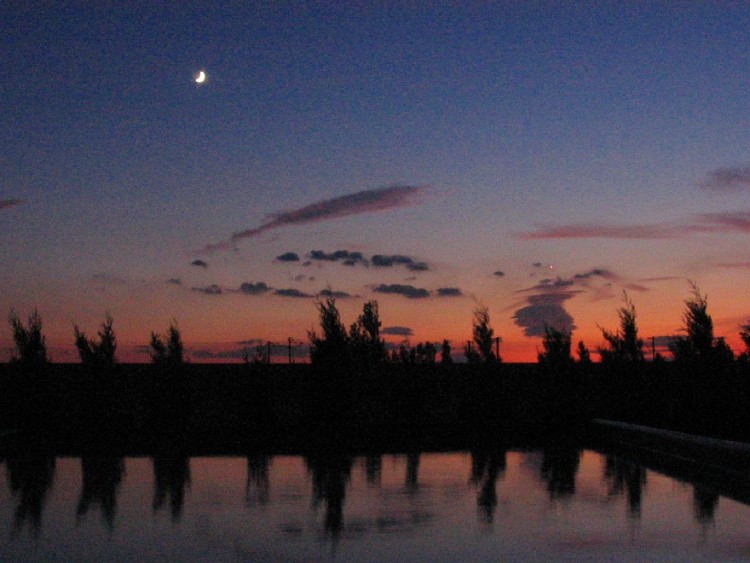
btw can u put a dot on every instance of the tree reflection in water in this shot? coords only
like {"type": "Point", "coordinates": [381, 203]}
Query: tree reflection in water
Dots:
{"type": "Point", "coordinates": [330, 476]}
{"type": "Point", "coordinates": [258, 487]}
{"type": "Point", "coordinates": [101, 478]}
{"type": "Point", "coordinates": [171, 476]}
{"type": "Point", "coordinates": [559, 469]}
{"type": "Point", "coordinates": [30, 479]}
{"type": "Point", "coordinates": [705, 502]}
{"type": "Point", "coordinates": [373, 469]}
{"type": "Point", "coordinates": [412, 472]}
{"type": "Point", "coordinates": [486, 468]}
{"type": "Point", "coordinates": [624, 475]}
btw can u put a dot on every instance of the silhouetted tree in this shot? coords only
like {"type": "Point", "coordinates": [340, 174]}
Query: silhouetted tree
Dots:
{"type": "Point", "coordinates": [745, 336]}
{"type": "Point", "coordinates": [425, 353]}
{"type": "Point", "coordinates": [31, 348]}
{"type": "Point", "coordinates": [699, 347]}
{"type": "Point", "coordinates": [367, 347]}
{"type": "Point", "coordinates": [556, 344]}
{"type": "Point", "coordinates": [167, 351]}
{"type": "Point", "coordinates": [484, 336]}
{"type": "Point", "coordinates": [445, 354]}
{"type": "Point", "coordinates": [624, 345]}
{"type": "Point", "coordinates": [332, 346]}
{"type": "Point", "coordinates": [97, 354]}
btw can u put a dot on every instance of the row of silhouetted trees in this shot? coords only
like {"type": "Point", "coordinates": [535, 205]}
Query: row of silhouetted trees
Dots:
{"type": "Point", "coordinates": [361, 346]}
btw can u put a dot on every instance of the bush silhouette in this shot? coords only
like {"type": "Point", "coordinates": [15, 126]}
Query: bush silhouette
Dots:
{"type": "Point", "coordinates": [97, 354]}
{"type": "Point", "coordinates": [31, 348]}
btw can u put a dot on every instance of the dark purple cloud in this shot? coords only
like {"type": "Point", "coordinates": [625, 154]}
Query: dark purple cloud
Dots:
{"type": "Point", "coordinates": [727, 179]}
{"type": "Point", "coordinates": [290, 292]}
{"type": "Point", "coordinates": [449, 292]}
{"type": "Point", "coordinates": [406, 290]}
{"type": "Point", "coordinates": [174, 281]}
{"type": "Point", "coordinates": [385, 261]}
{"type": "Point", "coordinates": [6, 203]}
{"type": "Point", "coordinates": [499, 274]}
{"type": "Point", "coordinates": [367, 201]}
{"type": "Point", "coordinates": [199, 263]}
{"type": "Point", "coordinates": [250, 288]}
{"type": "Point", "coordinates": [335, 294]}
{"type": "Point", "coordinates": [212, 289]}
{"type": "Point", "coordinates": [346, 257]}
{"type": "Point", "coordinates": [288, 257]}
{"type": "Point", "coordinates": [545, 310]}
{"type": "Point", "coordinates": [397, 331]}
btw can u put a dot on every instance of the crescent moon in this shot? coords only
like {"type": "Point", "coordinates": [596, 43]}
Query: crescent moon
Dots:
{"type": "Point", "coordinates": [201, 78]}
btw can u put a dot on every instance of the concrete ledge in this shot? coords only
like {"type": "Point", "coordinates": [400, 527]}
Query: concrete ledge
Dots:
{"type": "Point", "coordinates": [689, 447]}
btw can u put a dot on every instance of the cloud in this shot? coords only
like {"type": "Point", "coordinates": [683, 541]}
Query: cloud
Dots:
{"type": "Point", "coordinates": [596, 273]}
{"type": "Point", "coordinates": [6, 203]}
{"type": "Point", "coordinates": [367, 201]}
{"type": "Point", "coordinates": [174, 281]}
{"type": "Point", "coordinates": [199, 263]}
{"type": "Point", "coordinates": [635, 232]}
{"type": "Point", "coordinates": [288, 257]}
{"type": "Point", "coordinates": [406, 290]}
{"type": "Point", "coordinates": [335, 294]}
{"type": "Point", "coordinates": [397, 331]}
{"type": "Point", "coordinates": [290, 292]}
{"type": "Point", "coordinates": [736, 222]}
{"type": "Point", "coordinates": [250, 288]}
{"type": "Point", "coordinates": [348, 258]}
{"type": "Point", "coordinates": [499, 274]}
{"type": "Point", "coordinates": [545, 310]}
{"type": "Point", "coordinates": [449, 292]}
{"type": "Point", "coordinates": [212, 289]}
{"type": "Point", "coordinates": [727, 179]}
{"type": "Point", "coordinates": [384, 261]}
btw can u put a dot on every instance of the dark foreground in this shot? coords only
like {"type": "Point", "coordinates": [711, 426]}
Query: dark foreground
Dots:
{"type": "Point", "coordinates": [201, 408]}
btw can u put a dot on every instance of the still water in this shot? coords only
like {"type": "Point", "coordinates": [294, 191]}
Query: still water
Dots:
{"type": "Point", "coordinates": [562, 504]}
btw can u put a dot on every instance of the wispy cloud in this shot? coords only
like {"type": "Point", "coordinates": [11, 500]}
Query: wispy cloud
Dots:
{"type": "Point", "coordinates": [6, 203]}
{"type": "Point", "coordinates": [366, 201]}
{"type": "Point", "coordinates": [335, 294]}
{"type": "Point", "coordinates": [250, 288]}
{"type": "Point", "coordinates": [637, 232]}
{"type": "Point", "coordinates": [727, 179]}
{"type": "Point", "coordinates": [733, 221]}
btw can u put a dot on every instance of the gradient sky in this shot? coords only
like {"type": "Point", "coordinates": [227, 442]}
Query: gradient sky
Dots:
{"type": "Point", "coordinates": [580, 149]}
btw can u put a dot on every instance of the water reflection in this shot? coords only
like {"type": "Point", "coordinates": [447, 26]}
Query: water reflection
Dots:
{"type": "Point", "coordinates": [30, 479]}
{"type": "Point", "coordinates": [418, 501]}
{"type": "Point", "coordinates": [486, 468]}
{"type": "Point", "coordinates": [258, 487]}
{"type": "Point", "coordinates": [171, 476]}
{"type": "Point", "coordinates": [330, 475]}
{"type": "Point", "coordinates": [559, 468]}
{"type": "Point", "coordinates": [626, 476]}
{"type": "Point", "coordinates": [101, 478]}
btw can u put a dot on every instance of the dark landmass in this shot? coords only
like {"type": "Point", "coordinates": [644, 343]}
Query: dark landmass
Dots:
{"type": "Point", "coordinates": [234, 408]}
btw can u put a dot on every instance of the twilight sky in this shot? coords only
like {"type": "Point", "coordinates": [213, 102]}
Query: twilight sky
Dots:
{"type": "Point", "coordinates": [536, 158]}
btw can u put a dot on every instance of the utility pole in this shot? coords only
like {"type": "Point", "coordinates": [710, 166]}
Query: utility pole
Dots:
{"type": "Point", "coordinates": [653, 348]}
{"type": "Point", "coordinates": [497, 347]}
{"type": "Point", "coordinates": [268, 345]}
{"type": "Point", "coordinates": [289, 342]}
